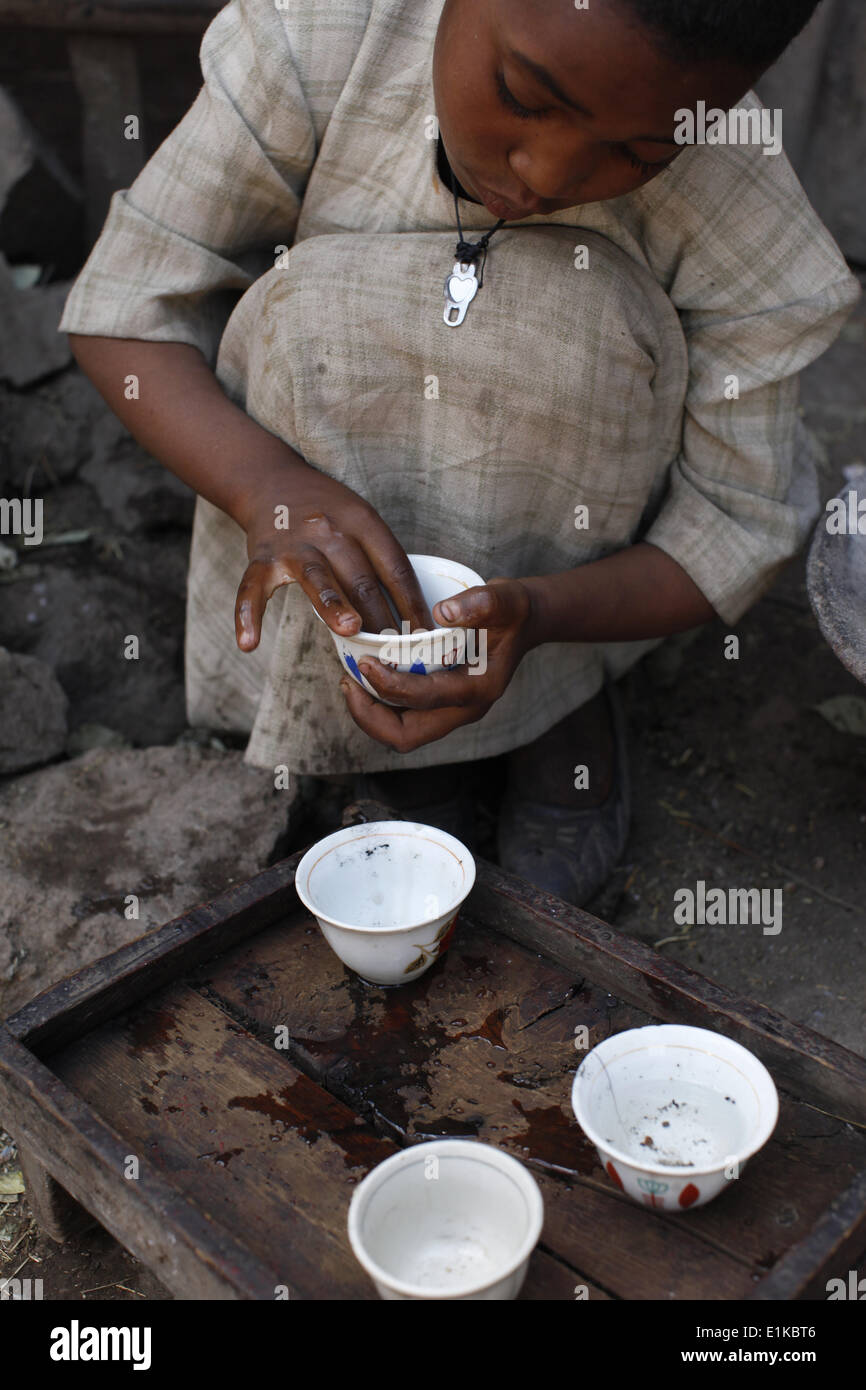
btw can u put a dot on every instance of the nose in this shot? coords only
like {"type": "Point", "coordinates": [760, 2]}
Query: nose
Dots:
{"type": "Point", "coordinates": [553, 174]}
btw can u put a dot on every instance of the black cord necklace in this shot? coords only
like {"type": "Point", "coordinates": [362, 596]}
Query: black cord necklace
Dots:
{"type": "Point", "coordinates": [462, 285]}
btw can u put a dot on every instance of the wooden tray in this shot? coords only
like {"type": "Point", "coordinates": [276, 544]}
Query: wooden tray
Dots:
{"type": "Point", "coordinates": [164, 1059]}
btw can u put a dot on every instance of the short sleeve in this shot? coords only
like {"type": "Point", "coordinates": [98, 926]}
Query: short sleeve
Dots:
{"type": "Point", "coordinates": [762, 290]}
{"type": "Point", "coordinates": [204, 216]}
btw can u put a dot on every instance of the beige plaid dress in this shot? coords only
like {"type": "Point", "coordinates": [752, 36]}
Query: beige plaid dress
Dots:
{"type": "Point", "coordinates": [294, 228]}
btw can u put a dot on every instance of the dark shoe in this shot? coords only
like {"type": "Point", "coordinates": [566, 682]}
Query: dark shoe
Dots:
{"type": "Point", "coordinates": [440, 796]}
{"type": "Point", "coordinates": [564, 851]}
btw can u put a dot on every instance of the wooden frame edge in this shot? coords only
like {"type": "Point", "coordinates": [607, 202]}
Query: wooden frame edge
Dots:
{"type": "Point", "coordinates": [40, 1110]}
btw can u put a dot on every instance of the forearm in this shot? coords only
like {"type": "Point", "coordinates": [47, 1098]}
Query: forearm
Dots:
{"type": "Point", "coordinates": [183, 418]}
{"type": "Point", "coordinates": [637, 593]}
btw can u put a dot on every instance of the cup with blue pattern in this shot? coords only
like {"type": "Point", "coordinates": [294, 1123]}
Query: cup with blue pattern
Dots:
{"type": "Point", "coordinates": [421, 652]}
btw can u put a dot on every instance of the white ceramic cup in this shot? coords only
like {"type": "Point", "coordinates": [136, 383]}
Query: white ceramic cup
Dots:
{"type": "Point", "coordinates": [451, 1219]}
{"type": "Point", "coordinates": [674, 1112]}
{"type": "Point", "coordinates": [436, 649]}
{"type": "Point", "coordinates": [386, 895]}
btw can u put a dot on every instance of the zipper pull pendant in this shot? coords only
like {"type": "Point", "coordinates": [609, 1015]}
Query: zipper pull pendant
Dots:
{"type": "Point", "coordinates": [461, 287]}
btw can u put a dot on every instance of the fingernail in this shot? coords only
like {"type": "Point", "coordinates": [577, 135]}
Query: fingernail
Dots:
{"type": "Point", "coordinates": [449, 611]}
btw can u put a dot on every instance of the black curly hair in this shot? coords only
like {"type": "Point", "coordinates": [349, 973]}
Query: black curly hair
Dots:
{"type": "Point", "coordinates": [751, 32]}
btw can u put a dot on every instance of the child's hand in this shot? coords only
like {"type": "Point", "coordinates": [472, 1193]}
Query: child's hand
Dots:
{"type": "Point", "coordinates": [336, 547]}
{"type": "Point", "coordinates": [435, 704]}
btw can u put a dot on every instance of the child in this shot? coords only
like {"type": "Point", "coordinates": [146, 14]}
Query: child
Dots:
{"type": "Point", "coordinates": [609, 437]}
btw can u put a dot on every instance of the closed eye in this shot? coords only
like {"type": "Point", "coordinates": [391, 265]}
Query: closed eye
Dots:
{"type": "Point", "coordinates": [528, 113]}
{"type": "Point", "coordinates": [648, 170]}
{"type": "Point", "coordinates": [507, 97]}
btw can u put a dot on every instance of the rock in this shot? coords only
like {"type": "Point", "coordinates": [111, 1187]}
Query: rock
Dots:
{"type": "Point", "coordinates": [831, 391]}
{"type": "Point", "coordinates": [30, 346]}
{"type": "Point", "coordinates": [63, 428]}
{"type": "Point", "coordinates": [70, 510]}
{"type": "Point", "coordinates": [772, 713]}
{"type": "Point", "coordinates": [836, 578]}
{"type": "Point", "coordinates": [32, 712]}
{"type": "Point", "coordinates": [16, 146]}
{"type": "Point", "coordinates": [88, 736]}
{"type": "Point", "coordinates": [664, 664]}
{"type": "Point", "coordinates": [138, 493]}
{"type": "Point", "coordinates": [77, 620]}
{"type": "Point", "coordinates": [172, 826]}
{"type": "Point", "coordinates": [48, 432]}
{"type": "Point", "coordinates": [200, 738]}
{"type": "Point", "coordinates": [820, 85]}
{"type": "Point", "coordinates": [41, 202]}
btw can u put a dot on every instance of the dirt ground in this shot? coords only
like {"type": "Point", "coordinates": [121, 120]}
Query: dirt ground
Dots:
{"type": "Point", "coordinates": [737, 780]}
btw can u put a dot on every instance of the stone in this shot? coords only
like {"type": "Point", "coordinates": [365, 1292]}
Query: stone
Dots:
{"type": "Point", "coordinates": [664, 664]}
{"type": "Point", "coordinates": [137, 492]}
{"type": "Point", "coordinates": [47, 433]}
{"type": "Point", "coordinates": [88, 736]}
{"type": "Point", "coordinates": [820, 85]}
{"type": "Point", "coordinates": [33, 709]}
{"type": "Point", "coordinates": [78, 620]}
{"type": "Point", "coordinates": [16, 146]}
{"type": "Point", "coordinates": [30, 346]}
{"type": "Point", "coordinates": [200, 738]}
{"type": "Point", "coordinates": [836, 579]}
{"type": "Point", "coordinates": [831, 392]}
{"type": "Point", "coordinates": [772, 713]}
{"type": "Point", "coordinates": [62, 429]}
{"type": "Point", "coordinates": [168, 826]}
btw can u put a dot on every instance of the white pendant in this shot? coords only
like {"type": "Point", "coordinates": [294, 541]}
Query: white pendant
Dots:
{"type": "Point", "coordinates": [461, 287]}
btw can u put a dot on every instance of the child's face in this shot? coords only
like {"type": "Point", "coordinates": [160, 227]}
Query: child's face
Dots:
{"type": "Point", "coordinates": [556, 156]}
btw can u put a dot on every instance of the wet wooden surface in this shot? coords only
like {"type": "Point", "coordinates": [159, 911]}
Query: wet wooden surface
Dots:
{"type": "Point", "coordinates": [270, 1141]}
{"type": "Point", "coordinates": [246, 1153]}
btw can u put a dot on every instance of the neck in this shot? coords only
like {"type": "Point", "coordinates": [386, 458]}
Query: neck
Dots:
{"type": "Point", "coordinates": [447, 175]}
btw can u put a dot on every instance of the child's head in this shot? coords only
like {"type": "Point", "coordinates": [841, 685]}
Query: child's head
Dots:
{"type": "Point", "coordinates": [621, 70]}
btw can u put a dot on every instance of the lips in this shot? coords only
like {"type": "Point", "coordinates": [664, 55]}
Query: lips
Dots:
{"type": "Point", "coordinates": [500, 208]}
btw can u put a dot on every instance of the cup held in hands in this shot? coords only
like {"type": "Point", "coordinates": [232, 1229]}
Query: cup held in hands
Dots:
{"type": "Point", "coordinates": [421, 653]}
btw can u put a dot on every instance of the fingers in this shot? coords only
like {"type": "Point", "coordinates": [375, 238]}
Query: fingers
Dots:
{"type": "Point", "coordinates": [482, 606]}
{"type": "Point", "coordinates": [398, 577]}
{"type": "Point", "coordinates": [263, 577]}
{"type": "Point", "coordinates": [369, 558]}
{"type": "Point", "coordinates": [343, 550]}
{"type": "Point", "coordinates": [453, 689]}
{"type": "Point", "coordinates": [361, 586]}
{"type": "Point", "coordinates": [260, 580]}
{"type": "Point", "coordinates": [402, 730]}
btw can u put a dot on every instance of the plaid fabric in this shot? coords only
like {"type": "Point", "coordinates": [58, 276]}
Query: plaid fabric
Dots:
{"type": "Point", "coordinates": [606, 387]}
